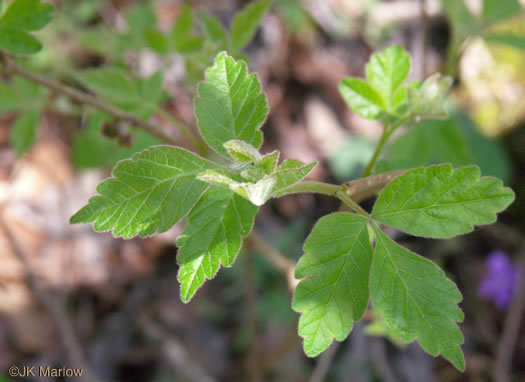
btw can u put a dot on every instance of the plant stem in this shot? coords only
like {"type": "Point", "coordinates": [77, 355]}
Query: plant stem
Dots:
{"type": "Point", "coordinates": [381, 144]}
{"type": "Point", "coordinates": [387, 132]}
{"type": "Point", "coordinates": [338, 191]}
{"type": "Point", "coordinates": [87, 99]}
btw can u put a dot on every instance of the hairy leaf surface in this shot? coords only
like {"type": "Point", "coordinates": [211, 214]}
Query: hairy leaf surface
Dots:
{"type": "Point", "coordinates": [213, 236]}
{"type": "Point", "coordinates": [334, 292]}
{"type": "Point", "coordinates": [440, 202]}
{"type": "Point", "coordinates": [146, 194]}
{"type": "Point", "coordinates": [264, 186]}
{"type": "Point", "coordinates": [416, 299]}
{"type": "Point", "coordinates": [230, 105]}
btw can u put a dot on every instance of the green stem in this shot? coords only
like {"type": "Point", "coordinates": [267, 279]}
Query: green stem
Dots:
{"type": "Point", "coordinates": [375, 156]}
{"type": "Point", "coordinates": [387, 132]}
{"type": "Point", "coordinates": [337, 191]}
{"type": "Point", "coordinates": [343, 196]}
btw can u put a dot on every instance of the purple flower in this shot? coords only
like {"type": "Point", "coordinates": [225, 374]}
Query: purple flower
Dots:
{"type": "Point", "coordinates": [500, 280]}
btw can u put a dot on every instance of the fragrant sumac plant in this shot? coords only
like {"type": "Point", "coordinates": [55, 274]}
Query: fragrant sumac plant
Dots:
{"type": "Point", "coordinates": [341, 269]}
{"type": "Point", "coordinates": [349, 260]}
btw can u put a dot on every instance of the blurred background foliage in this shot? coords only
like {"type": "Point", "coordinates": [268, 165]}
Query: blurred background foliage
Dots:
{"type": "Point", "coordinates": [146, 58]}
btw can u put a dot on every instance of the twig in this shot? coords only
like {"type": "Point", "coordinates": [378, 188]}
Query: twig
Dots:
{"type": "Point", "coordinates": [364, 188]}
{"type": "Point", "coordinates": [511, 328]}
{"type": "Point", "coordinates": [281, 262]}
{"type": "Point", "coordinates": [323, 364]}
{"type": "Point", "coordinates": [380, 361]}
{"type": "Point", "coordinates": [253, 364]}
{"type": "Point", "coordinates": [176, 354]}
{"type": "Point", "coordinates": [56, 309]}
{"type": "Point", "coordinates": [88, 99]}
{"type": "Point", "coordinates": [286, 346]}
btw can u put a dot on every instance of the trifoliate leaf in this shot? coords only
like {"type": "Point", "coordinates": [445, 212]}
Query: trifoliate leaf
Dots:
{"type": "Point", "coordinates": [334, 292]}
{"type": "Point", "coordinates": [361, 98]}
{"type": "Point", "coordinates": [246, 22]}
{"type": "Point", "coordinates": [23, 134]}
{"type": "Point", "coordinates": [230, 105]}
{"type": "Point", "coordinates": [386, 71]}
{"type": "Point", "coordinates": [440, 202]}
{"type": "Point", "coordinates": [213, 236]}
{"type": "Point", "coordinates": [415, 298]}
{"type": "Point", "coordinates": [148, 193]}
{"type": "Point", "coordinates": [22, 17]}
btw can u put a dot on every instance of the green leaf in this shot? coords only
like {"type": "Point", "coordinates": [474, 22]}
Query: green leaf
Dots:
{"type": "Point", "coordinates": [427, 101]}
{"type": "Point", "coordinates": [30, 15]}
{"type": "Point", "coordinates": [112, 84]}
{"type": "Point", "coordinates": [24, 131]}
{"type": "Point", "coordinates": [21, 95]}
{"type": "Point", "coordinates": [455, 140]}
{"type": "Point", "coordinates": [22, 17]}
{"type": "Point", "coordinates": [91, 149]}
{"type": "Point", "coordinates": [214, 30]}
{"type": "Point", "coordinates": [230, 105]}
{"type": "Point", "coordinates": [148, 193]}
{"type": "Point", "coordinates": [182, 38]}
{"type": "Point", "coordinates": [463, 22]}
{"type": "Point", "coordinates": [512, 40]}
{"type": "Point", "coordinates": [138, 96]}
{"type": "Point", "coordinates": [386, 71]}
{"type": "Point", "coordinates": [246, 22]}
{"type": "Point", "coordinates": [415, 298]}
{"type": "Point", "coordinates": [334, 291]}
{"type": "Point", "coordinates": [213, 236]}
{"type": "Point", "coordinates": [241, 151]}
{"type": "Point", "coordinates": [440, 202]}
{"type": "Point", "coordinates": [11, 98]}
{"type": "Point", "coordinates": [498, 10]}
{"type": "Point", "coordinates": [361, 98]}
{"type": "Point", "coordinates": [141, 18]}
{"type": "Point", "coordinates": [184, 23]}
{"type": "Point", "coordinates": [259, 185]}
{"type": "Point", "coordinates": [426, 143]}
{"type": "Point", "coordinates": [289, 173]}
{"type": "Point", "coordinates": [18, 41]}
